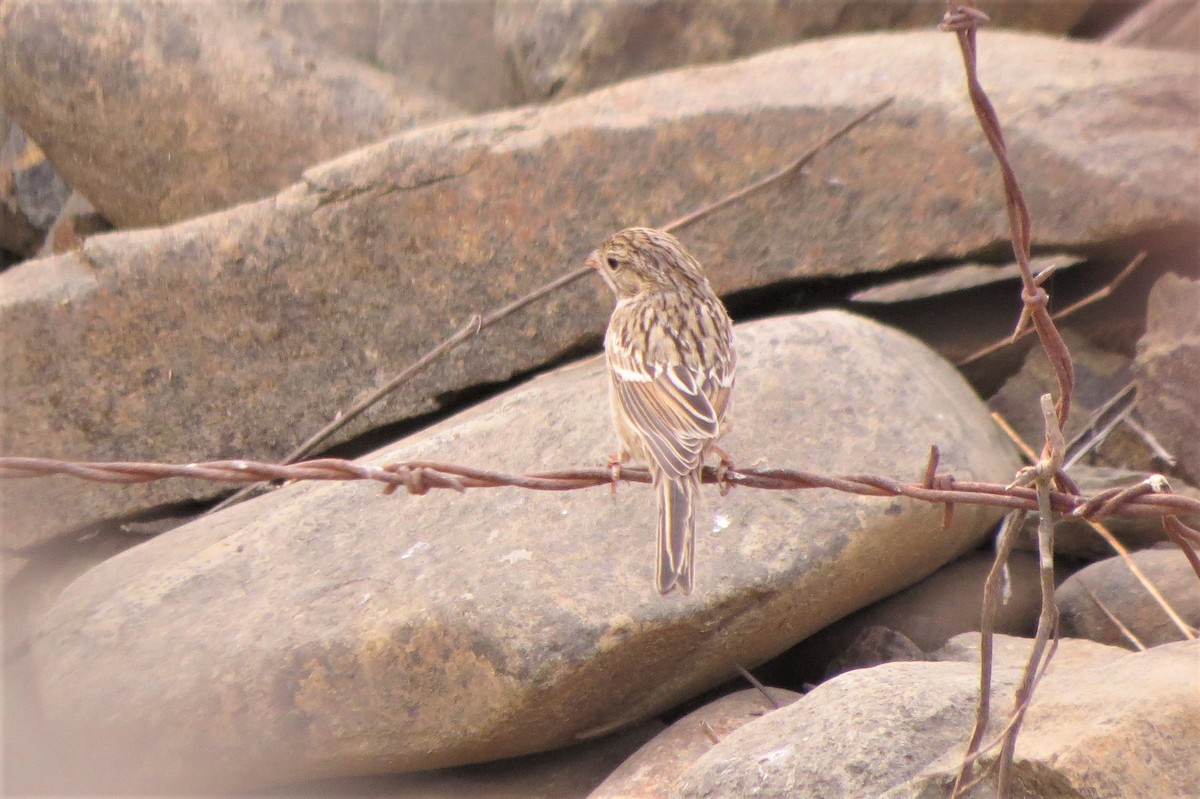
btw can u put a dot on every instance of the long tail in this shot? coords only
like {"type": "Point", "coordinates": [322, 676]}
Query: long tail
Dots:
{"type": "Point", "coordinates": [676, 533]}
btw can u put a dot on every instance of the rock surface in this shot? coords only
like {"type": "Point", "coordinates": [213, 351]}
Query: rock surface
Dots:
{"type": "Point", "coordinates": [488, 54]}
{"type": "Point", "coordinates": [298, 305]}
{"type": "Point", "coordinates": [1104, 723]}
{"type": "Point", "coordinates": [944, 604]}
{"type": "Point", "coordinates": [564, 774]}
{"type": "Point", "coordinates": [652, 770]}
{"type": "Point", "coordinates": [182, 112]}
{"type": "Point", "coordinates": [558, 48]}
{"type": "Point", "coordinates": [450, 47]}
{"type": "Point", "coordinates": [349, 27]}
{"type": "Point", "coordinates": [1168, 371]}
{"type": "Point", "coordinates": [32, 193]}
{"type": "Point", "coordinates": [1168, 24]}
{"type": "Point", "coordinates": [1112, 583]}
{"type": "Point", "coordinates": [327, 629]}
{"type": "Point", "coordinates": [1099, 376]}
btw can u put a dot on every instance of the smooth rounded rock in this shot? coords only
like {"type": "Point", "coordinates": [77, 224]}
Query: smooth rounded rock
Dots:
{"type": "Point", "coordinates": [1088, 597]}
{"type": "Point", "coordinates": [158, 110]}
{"type": "Point", "coordinates": [327, 629]}
{"type": "Point", "coordinates": [650, 772]}
{"type": "Point", "coordinates": [1103, 723]}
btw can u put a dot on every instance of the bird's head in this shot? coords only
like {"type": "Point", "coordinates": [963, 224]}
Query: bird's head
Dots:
{"type": "Point", "coordinates": [645, 261]}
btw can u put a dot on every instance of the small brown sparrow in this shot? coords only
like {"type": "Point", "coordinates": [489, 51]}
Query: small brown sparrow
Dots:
{"type": "Point", "coordinates": [671, 365]}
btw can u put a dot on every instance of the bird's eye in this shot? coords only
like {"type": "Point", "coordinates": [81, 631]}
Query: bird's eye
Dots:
{"type": "Point", "coordinates": [613, 263]}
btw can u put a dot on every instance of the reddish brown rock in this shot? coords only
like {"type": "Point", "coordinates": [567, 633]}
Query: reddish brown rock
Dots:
{"type": "Point", "coordinates": [157, 111]}
{"type": "Point", "coordinates": [1168, 371]}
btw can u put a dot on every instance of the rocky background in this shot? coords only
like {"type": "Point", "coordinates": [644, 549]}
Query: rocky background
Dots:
{"type": "Point", "coordinates": [222, 223]}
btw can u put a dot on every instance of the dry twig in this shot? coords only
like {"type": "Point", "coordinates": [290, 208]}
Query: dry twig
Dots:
{"type": "Point", "coordinates": [762, 689]}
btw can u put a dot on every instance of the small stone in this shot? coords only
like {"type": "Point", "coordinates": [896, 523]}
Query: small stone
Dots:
{"type": "Point", "coordinates": [1111, 583]}
{"type": "Point", "coordinates": [653, 769]}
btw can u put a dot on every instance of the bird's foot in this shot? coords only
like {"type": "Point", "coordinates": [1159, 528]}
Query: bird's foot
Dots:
{"type": "Point", "coordinates": [614, 468]}
{"type": "Point", "coordinates": [724, 466]}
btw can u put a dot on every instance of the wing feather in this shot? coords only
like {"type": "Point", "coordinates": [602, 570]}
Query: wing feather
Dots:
{"type": "Point", "coordinates": [669, 407]}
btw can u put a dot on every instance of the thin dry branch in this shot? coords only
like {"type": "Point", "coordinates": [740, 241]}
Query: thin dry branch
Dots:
{"type": "Point", "coordinates": [758, 686]}
{"type": "Point", "coordinates": [777, 175]}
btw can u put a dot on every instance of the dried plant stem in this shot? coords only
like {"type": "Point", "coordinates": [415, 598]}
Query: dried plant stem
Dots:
{"type": "Point", "coordinates": [991, 601]}
{"type": "Point", "coordinates": [762, 689]}
{"type": "Point", "coordinates": [1014, 436]}
{"type": "Point", "coordinates": [1047, 625]}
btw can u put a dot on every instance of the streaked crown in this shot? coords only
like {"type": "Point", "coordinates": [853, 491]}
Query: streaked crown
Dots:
{"type": "Point", "coordinates": [638, 260]}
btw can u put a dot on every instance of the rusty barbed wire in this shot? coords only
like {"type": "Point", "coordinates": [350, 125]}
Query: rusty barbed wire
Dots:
{"type": "Point", "coordinates": [419, 477]}
{"type": "Point", "coordinates": [962, 19]}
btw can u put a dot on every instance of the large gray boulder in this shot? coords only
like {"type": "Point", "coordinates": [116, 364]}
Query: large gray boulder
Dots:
{"type": "Point", "coordinates": [326, 629]}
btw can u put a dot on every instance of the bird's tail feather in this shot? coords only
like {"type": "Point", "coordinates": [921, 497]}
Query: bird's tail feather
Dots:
{"type": "Point", "coordinates": [676, 533]}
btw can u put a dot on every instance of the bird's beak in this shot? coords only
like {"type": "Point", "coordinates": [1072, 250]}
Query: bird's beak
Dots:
{"type": "Point", "coordinates": [593, 260]}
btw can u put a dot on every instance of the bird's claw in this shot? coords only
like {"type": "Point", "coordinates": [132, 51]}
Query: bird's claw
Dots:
{"type": "Point", "coordinates": [724, 466]}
